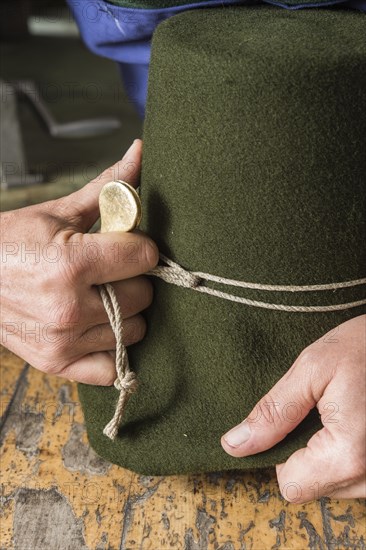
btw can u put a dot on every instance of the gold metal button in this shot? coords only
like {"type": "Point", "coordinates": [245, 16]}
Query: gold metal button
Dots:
{"type": "Point", "coordinates": [120, 207]}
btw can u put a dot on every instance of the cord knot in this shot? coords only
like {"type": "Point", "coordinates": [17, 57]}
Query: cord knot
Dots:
{"type": "Point", "coordinates": [128, 382]}
{"type": "Point", "coordinates": [176, 275]}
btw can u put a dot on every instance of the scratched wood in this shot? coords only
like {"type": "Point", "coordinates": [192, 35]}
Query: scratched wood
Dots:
{"type": "Point", "coordinates": [11, 367]}
{"type": "Point", "coordinates": [58, 494]}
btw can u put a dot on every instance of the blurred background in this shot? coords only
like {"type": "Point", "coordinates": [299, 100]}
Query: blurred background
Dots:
{"type": "Point", "coordinates": [65, 116]}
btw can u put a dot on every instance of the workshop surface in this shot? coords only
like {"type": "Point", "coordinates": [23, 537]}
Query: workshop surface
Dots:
{"type": "Point", "coordinates": [57, 494]}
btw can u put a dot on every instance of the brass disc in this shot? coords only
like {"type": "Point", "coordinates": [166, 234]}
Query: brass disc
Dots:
{"type": "Point", "coordinates": [120, 207]}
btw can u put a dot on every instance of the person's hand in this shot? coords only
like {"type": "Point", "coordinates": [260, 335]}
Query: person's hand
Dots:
{"type": "Point", "coordinates": [329, 374]}
{"type": "Point", "coordinates": [51, 312]}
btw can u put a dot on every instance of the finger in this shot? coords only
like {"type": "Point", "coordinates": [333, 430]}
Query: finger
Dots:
{"type": "Point", "coordinates": [356, 490]}
{"type": "Point", "coordinates": [279, 411]}
{"type": "Point", "coordinates": [83, 205]}
{"type": "Point", "coordinates": [133, 295]}
{"type": "Point", "coordinates": [319, 469]}
{"type": "Point", "coordinates": [94, 368]}
{"type": "Point", "coordinates": [101, 337]}
{"type": "Point", "coordinates": [106, 257]}
{"type": "Point", "coordinates": [98, 367]}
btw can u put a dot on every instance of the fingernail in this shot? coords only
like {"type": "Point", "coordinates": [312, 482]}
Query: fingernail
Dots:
{"type": "Point", "coordinates": [238, 435]}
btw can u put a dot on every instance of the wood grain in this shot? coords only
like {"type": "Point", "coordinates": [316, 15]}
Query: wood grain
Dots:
{"type": "Point", "coordinates": [58, 494]}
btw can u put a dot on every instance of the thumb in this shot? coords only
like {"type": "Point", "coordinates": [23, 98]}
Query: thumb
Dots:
{"type": "Point", "coordinates": [82, 207]}
{"type": "Point", "coordinates": [314, 471]}
{"type": "Point", "coordinates": [279, 411]}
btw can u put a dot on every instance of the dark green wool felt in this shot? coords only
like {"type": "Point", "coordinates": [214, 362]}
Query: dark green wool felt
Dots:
{"type": "Point", "coordinates": [254, 169]}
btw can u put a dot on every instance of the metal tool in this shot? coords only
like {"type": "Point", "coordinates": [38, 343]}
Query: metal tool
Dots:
{"type": "Point", "coordinates": [120, 207]}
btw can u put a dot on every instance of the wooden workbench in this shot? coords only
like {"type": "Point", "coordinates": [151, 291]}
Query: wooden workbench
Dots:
{"type": "Point", "coordinates": [58, 494]}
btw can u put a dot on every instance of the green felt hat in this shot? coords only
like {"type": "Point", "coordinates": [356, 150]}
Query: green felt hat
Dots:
{"type": "Point", "coordinates": [254, 170]}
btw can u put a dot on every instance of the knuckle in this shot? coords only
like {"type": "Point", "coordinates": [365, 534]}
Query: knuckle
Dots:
{"type": "Point", "coordinates": [57, 207]}
{"type": "Point", "coordinates": [308, 358]}
{"type": "Point", "coordinates": [307, 368]}
{"type": "Point", "coordinates": [268, 411]}
{"type": "Point", "coordinates": [49, 346]}
{"type": "Point", "coordinates": [49, 362]}
{"type": "Point", "coordinates": [43, 364]}
{"type": "Point", "coordinates": [65, 314]}
{"type": "Point", "coordinates": [72, 272]}
{"type": "Point", "coordinates": [109, 174]}
{"type": "Point", "coordinates": [76, 258]}
{"type": "Point", "coordinates": [59, 348]}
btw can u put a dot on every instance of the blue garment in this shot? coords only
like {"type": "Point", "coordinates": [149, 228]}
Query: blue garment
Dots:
{"type": "Point", "coordinates": [124, 34]}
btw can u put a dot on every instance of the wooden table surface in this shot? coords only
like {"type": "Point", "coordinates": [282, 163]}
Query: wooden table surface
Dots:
{"type": "Point", "coordinates": [58, 494]}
